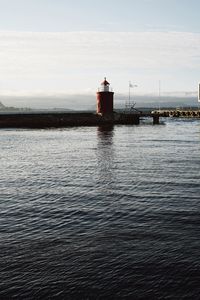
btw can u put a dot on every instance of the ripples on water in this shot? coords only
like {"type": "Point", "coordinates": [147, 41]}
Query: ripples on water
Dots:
{"type": "Point", "coordinates": [101, 213]}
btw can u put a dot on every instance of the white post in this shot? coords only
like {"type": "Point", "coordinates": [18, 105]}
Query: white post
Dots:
{"type": "Point", "coordinates": [159, 94]}
{"type": "Point", "coordinates": [130, 86]}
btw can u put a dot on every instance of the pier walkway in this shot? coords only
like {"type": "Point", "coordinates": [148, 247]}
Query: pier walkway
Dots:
{"type": "Point", "coordinates": [176, 113]}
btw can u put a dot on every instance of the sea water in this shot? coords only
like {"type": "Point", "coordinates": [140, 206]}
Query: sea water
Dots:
{"type": "Point", "coordinates": [101, 212]}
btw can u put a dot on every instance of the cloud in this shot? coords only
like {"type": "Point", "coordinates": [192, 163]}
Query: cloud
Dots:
{"type": "Point", "coordinates": [69, 56]}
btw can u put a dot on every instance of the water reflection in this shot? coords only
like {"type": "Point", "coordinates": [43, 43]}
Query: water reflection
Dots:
{"type": "Point", "coordinates": [105, 133]}
{"type": "Point", "coordinates": [105, 157]}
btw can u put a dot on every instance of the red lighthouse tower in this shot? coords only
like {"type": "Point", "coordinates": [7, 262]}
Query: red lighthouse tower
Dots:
{"type": "Point", "coordinates": [105, 99]}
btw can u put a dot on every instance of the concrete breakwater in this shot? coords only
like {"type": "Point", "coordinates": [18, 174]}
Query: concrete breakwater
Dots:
{"type": "Point", "coordinates": [63, 119]}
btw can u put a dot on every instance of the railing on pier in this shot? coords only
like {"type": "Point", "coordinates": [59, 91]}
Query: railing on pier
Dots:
{"type": "Point", "coordinates": [178, 113]}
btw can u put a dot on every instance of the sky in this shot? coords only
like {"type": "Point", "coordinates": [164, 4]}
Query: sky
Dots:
{"type": "Point", "coordinates": [63, 47]}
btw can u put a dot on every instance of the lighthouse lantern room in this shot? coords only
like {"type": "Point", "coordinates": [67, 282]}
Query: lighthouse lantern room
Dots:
{"type": "Point", "coordinates": [105, 99]}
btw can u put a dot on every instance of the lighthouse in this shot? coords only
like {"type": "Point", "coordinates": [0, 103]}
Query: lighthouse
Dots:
{"type": "Point", "coordinates": [105, 99]}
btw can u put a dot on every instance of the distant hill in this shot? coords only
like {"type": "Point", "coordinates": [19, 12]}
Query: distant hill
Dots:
{"type": "Point", "coordinates": [1, 105]}
{"type": "Point", "coordinates": [11, 108]}
{"type": "Point", "coordinates": [159, 102]}
{"type": "Point", "coordinates": [88, 102]}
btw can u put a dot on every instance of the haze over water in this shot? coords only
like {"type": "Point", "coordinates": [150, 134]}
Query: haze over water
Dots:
{"type": "Point", "coordinates": [101, 213]}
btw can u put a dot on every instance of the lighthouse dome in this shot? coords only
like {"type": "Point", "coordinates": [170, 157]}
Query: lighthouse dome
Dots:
{"type": "Point", "coordinates": [105, 82]}
{"type": "Point", "coordinates": [105, 86]}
